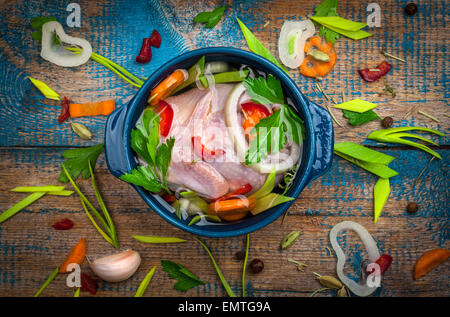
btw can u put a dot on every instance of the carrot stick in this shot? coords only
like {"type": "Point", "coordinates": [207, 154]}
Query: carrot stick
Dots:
{"type": "Point", "coordinates": [231, 206]}
{"type": "Point", "coordinates": [76, 255]}
{"type": "Point", "coordinates": [234, 216]}
{"type": "Point", "coordinates": [92, 108]}
{"type": "Point", "coordinates": [429, 260]}
{"type": "Point", "coordinates": [167, 86]}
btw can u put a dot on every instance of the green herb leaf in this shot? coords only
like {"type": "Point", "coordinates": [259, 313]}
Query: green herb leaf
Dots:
{"type": "Point", "coordinates": [186, 280]}
{"type": "Point", "coordinates": [327, 8]}
{"type": "Point", "coordinates": [338, 22]}
{"type": "Point", "coordinates": [265, 90]}
{"type": "Point", "coordinates": [380, 195]}
{"type": "Point", "coordinates": [355, 118]}
{"type": "Point", "coordinates": [78, 162]}
{"type": "Point", "coordinates": [269, 201]}
{"type": "Point", "coordinates": [200, 217]}
{"type": "Point", "coordinates": [144, 284]}
{"type": "Point", "coordinates": [210, 19]}
{"type": "Point", "coordinates": [143, 176]}
{"type": "Point", "coordinates": [156, 239]}
{"type": "Point", "coordinates": [356, 105]}
{"type": "Point", "coordinates": [257, 47]}
{"type": "Point", "coordinates": [163, 158]}
{"type": "Point", "coordinates": [36, 23]}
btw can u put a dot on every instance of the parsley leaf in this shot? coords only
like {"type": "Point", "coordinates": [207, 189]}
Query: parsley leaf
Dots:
{"type": "Point", "coordinates": [327, 8]}
{"type": "Point", "coordinates": [186, 279]}
{"type": "Point", "coordinates": [210, 19]}
{"type": "Point", "coordinates": [355, 118]}
{"type": "Point", "coordinates": [265, 90]}
{"type": "Point", "coordinates": [78, 162]}
{"type": "Point", "coordinates": [143, 176]}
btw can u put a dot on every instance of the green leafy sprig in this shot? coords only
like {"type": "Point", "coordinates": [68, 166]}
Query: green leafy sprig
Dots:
{"type": "Point", "coordinates": [210, 19]}
{"type": "Point", "coordinates": [186, 279]}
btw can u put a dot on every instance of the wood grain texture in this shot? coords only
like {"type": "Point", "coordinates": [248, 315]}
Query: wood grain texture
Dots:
{"type": "Point", "coordinates": [31, 143]}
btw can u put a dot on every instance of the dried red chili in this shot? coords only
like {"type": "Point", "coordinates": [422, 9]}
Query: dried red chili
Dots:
{"type": "Point", "coordinates": [155, 39]}
{"type": "Point", "coordinates": [88, 284]}
{"type": "Point", "coordinates": [373, 74]}
{"type": "Point", "coordinates": [145, 55]}
{"type": "Point", "coordinates": [64, 110]}
{"type": "Point", "coordinates": [63, 224]}
{"type": "Point", "coordinates": [384, 262]}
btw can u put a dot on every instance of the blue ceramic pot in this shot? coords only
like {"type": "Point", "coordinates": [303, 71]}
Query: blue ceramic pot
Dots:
{"type": "Point", "coordinates": [317, 151]}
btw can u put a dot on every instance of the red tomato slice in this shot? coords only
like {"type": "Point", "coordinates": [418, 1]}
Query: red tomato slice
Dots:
{"type": "Point", "coordinates": [165, 112]}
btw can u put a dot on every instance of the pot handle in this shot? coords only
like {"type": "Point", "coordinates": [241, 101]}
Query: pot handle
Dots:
{"type": "Point", "coordinates": [114, 147]}
{"type": "Point", "coordinates": [324, 134]}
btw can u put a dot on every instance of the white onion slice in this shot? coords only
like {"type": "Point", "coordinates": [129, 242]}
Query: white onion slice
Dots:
{"type": "Point", "coordinates": [369, 244]}
{"type": "Point", "coordinates": [291, 43]}
{"type": "Point", "coordinates": [57, 54]}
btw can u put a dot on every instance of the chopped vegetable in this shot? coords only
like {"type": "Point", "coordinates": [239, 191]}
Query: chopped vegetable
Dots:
{"type": "Point", "coordinates": [167, 86]}
{"type": "Point", "coordinates": [430, 260]}
{"type": "Point", "coordinates": [78, 161]}
{"type": "Point", "coordinates": [269, 201]}
{"type": "Point", "coordinates": [165, 112]}
{"type": "Point", "coordinates": [76, 255]}
{"type": "Point", "coordinates": [144, 284]}
{"type": "Point", "coordinates": [289, 239]}
{"type": "Point", "coordinates": [194, 74]}
{"type": "Point", "coordinates": [373, 74]}
{"type": "Point", "coordinates": [33, 189]}
{"type": "Point", "coordinates": [240, 191]}
{"type": "Point", "coordinates": [156, 239]}
{"type": "Point", "coordinates": [185, 279]}
{"type": "Point", "coordinates": [145, 55]}
{"type": "Point", "coordinates": [268, 186]}
{"type": "Point", "coordinates": [380, 170]}
{"type": "Point", "coordinates": [356, 105]}
{"type": "Point", "coordinates": [342, 26]}
{"type": "Point", "coordinates": [254, 112]}
{"type": "Point", "coordinates": [362, 153]}
{"type": "Point", "coordinates": [92, 108]}
{"type": "Point", "coordinates": [396, 135]}
{"type": "Point", "coordinates": [235, 216]}
{"type": "Point", "coordinates": [291, 44]}
{"type": "Point", "coordinates": [231, 206]}
{"type": "Point", "coordinates": [356, 118]}
{"type": "Point", "coordinates": [200, 217]}
{"type": "Point", "coordinates": [380, 195]}
{"type": "Point", "coordinates": [47, 282]}
{"type": "Point", "coordinates": [311, 67]}
{"type": "Point", "coordinates": [245, 264]}
{"type": "Point", "coordinates": [65, 113]}
{"type": "Point", "coordinates": [325, 9]}
{"type": "Point", "coordinates": [256, 47]}
{"type": "Point", "coordinates": [219, 272]}
{"type": "Point", "coordinates": [210, 19]}
{"type": "Point", "coordinates": [77, 292]}
{"type": "Point", "coordinates": [63, 224]}
{"type": "Point", "coordinates": [155, 39]}
{"type": "Point", "coordinates": [11, 211]}
{"type": "Point", "coordinates": [116, 267]}
{"type": "Point", "coordinates": [225, 77]}
{"type": "Point", "coordinates": [44, 89]}
{"type": "Point", "coordinates": [57, 56]}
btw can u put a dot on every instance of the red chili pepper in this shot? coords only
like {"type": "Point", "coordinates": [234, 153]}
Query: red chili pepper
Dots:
{"type": "Point", "coordinates": [64, 110]}
{"type": "Point", "coordinates": [254, 113]}
{"type": "Point", "coordinates": [170, 198]}
{"type": "Point", "coordinates": [205, 153]}
{"type": "Point", "coordinates": [88, 284]}
{"type": "Point", "coordinates": [145, 55]}
{"type": "Point", "coordinates": [155, 39]}
{"type": "Point", "coordinates": [165, 112]}
{"type": "Point", "coordinates": [240, 191]}
{"type": "Point", "coordinates": [64, 224]}
{"type": "Point", "coordinates": [373, 75]}
{"type": "Point", "coordinates": [384, 262]}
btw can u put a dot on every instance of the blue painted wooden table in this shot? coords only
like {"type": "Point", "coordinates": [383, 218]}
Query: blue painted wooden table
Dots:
{"type": "Point", "coordinates": [31, 143]}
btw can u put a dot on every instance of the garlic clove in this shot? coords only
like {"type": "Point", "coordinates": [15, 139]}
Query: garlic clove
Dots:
{"type": "Point", "coordinates": [117, 267]}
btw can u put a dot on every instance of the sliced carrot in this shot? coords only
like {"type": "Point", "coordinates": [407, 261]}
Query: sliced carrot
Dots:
{"type": "Point", "coordinates": [429, 260]}
{"type": "Point", "coordinates": [234, 217]}
{"type": "Point", "coordinates": [92, 108]}
{"type": "Point", "coordinates": [167, 86]}
{"type": "Point", "coordinates": [76, 255]}
{"type": "Point", "coordinates": [312, 67]}
{"type": "Point", "coordinates": [231, 206]}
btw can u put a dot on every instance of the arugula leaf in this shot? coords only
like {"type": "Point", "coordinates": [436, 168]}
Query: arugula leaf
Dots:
{"type": "Point", "coordinates": [327, 8]}
{"type": "Point", "coordinates": [186, 279]}
{"type": "Point", "coordinates": [210, 19]}
{"type": "Point", "coordinates": [355, 118]}
{"type": "Point", "coordinates": [145, 177]}
{"type": "Point", "coordinates": [265, 90]}
{"type": "Point", "coordinates": [78, 162]}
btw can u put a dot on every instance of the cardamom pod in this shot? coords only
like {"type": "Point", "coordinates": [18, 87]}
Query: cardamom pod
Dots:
{"type": "Point", "coordinates": [81, 130]}
{"type": "Point", "coordinates": [342, 292]}
{"type": "Point", "coordinates": [330, 282]}
{"type": "Point", "coordinates": [319, 55]}
{"type": "Point", "coordinates": [289, 239]}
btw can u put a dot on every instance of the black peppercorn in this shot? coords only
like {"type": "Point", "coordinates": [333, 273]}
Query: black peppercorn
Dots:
{"type": "Point", "coordinates": [411, 9]}
{"type": "Point", "coordinates": [239, 255]}
{"type": "Point", "coordinates": [387, 122]}
{"type": "Point", "coordinates": [256, 265]}
{"type": "Point", "coordinates": [412, 207]}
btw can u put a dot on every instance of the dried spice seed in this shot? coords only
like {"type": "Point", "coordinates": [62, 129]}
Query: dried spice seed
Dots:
{"type": "Point", "coordinates": [342, 292]}
{"type": "Point", "coordinates": [81, 131]}
{"type": "Point", "coordinates": [329, 281]}
{"type": "Point", "coordinates": [289, 239]}
{"type": "Point", "coordinates": [239, 255]}
{"type": "Point", "coordinates": [387, 122]}
{"type": "Point", "coordinates": [412, 207]}
{"type": "Point", "coordinates": [411, 9]}
{"type": "Point", "coordinates": [256, 265]}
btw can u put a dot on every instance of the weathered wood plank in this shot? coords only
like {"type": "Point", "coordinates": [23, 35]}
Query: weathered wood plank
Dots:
{"type": "Point", "coordinates": [30, 248]}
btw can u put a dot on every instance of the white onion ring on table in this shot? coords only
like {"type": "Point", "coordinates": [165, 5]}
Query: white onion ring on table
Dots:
{"type": "Point", "coordinates": [369, 244]}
